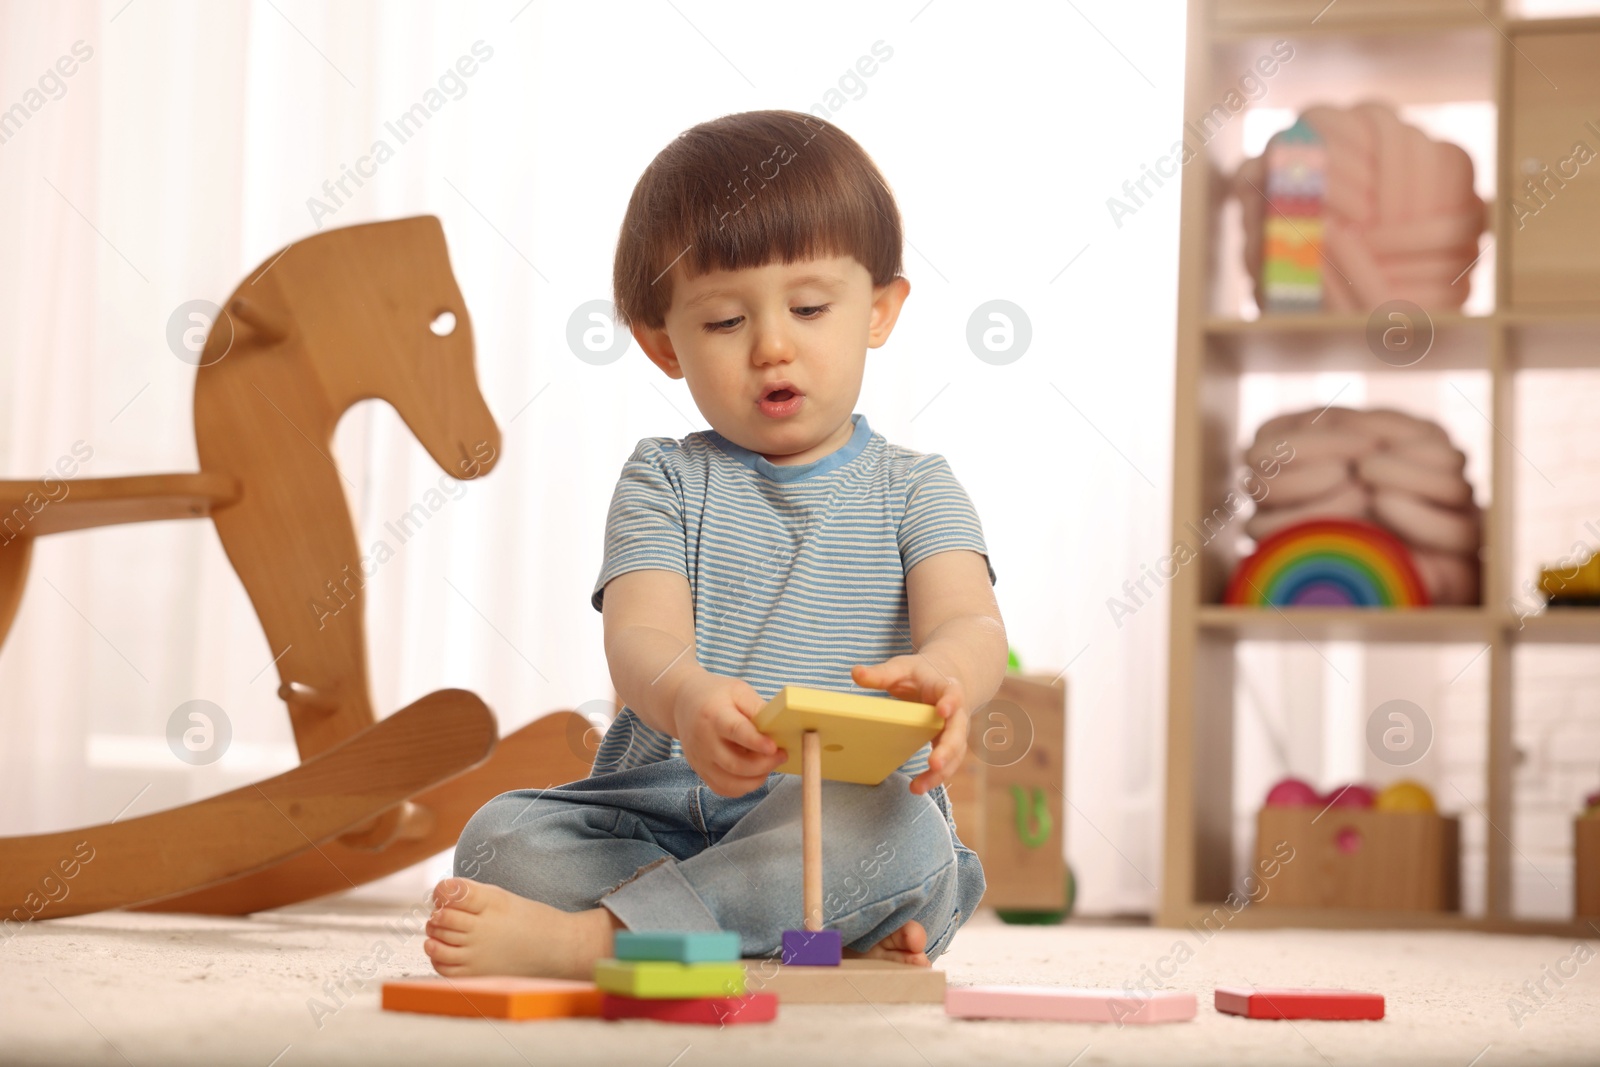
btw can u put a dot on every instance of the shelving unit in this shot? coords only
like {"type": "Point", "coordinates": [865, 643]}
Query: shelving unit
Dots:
{"type": "Point", "coordinates": [1535, 304]}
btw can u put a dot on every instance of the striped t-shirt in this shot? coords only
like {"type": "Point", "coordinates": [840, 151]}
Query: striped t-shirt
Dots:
{"type": "Point", "coordinates": [797, 572]}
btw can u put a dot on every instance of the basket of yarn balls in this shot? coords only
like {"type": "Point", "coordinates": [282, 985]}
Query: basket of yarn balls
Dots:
{"type": "Point", "coordinates": [1381, 466]}
{"type": "Point", "coordinates": [1400, 216]}
{"type": "Point", "coordinates": [1406, 796]}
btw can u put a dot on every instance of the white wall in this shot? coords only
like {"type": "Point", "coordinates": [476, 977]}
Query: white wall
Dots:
{"type": "Point", "coordinates": [186, 149]}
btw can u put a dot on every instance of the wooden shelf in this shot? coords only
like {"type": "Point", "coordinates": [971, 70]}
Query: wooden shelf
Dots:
{"type": "Point", "coordinates": [1343, 324]}
{"type": "Point", "coordinates": [1412, 53]}
{"type": "Point", "coordinates": [1412, 625]}
{"type": "Point", "coordinates": [1554, 24]}
{"type": "Point", "coordinates": [1560, 626]}
{"type": "Point", "coordinates": [1236, 17]}
{"type": "Point", "coordinates": [1420, 626]}
{"type": "Point", "coordinates": [1314, 344]}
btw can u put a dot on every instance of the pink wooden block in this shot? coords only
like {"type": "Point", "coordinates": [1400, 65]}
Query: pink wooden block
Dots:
{"type": "Point", "coordinates": [1067, 1005]}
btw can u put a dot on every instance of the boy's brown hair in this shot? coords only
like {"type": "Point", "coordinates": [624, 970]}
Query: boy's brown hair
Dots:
{"type": "Point", "coordinates": [745, 190]}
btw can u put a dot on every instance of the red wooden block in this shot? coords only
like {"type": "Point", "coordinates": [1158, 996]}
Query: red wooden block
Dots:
{"type": "Point", "coordinates": [1299, 1003]}
{"type": "Point", "coordinates": [754, 1008]}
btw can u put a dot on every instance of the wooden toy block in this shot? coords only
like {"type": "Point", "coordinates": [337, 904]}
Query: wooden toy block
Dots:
{"type": "Point", "coordinates": [864, 739]}
{"type": "Point", "coordinates": [715, 1011]}
{"type": "Point", "coordinates": [697, 946]}
{"type": "Point", "coordinates": [1299, 1003]}
{"type": "Point", "coordinates": [493, 998]}
{"type": "Point", "coordinates": [852, 982]}
{"type": "Point", "coordinates": [663, 980]}
{"type": "Point", "coordinates": [1068, 1005]}
{"type": "Point", "coordinates": [1356, 858]}
{"type": "Point", "coordinates": [812, 948]}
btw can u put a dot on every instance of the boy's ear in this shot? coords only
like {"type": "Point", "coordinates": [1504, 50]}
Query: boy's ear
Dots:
{"type": "Point", "coordinates": [658, 346]}
{"type": "Point", "coordinates": [887, 301]}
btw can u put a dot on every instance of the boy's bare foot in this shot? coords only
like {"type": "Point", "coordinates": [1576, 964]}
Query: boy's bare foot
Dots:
{"type": "Point", "coordinates": [905, 945]}
{"type": "Point", "coordinates": [482, 929]}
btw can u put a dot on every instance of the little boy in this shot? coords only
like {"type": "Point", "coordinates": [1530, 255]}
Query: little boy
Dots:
{"type": "Point", "coordinates": [790, 544]}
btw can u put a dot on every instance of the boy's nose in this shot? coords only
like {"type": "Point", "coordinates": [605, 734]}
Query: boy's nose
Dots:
{"type": "Point", "coordinates": [772, 346]}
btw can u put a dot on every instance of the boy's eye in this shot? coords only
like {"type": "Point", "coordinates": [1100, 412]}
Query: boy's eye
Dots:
{"type": "Point", "coordinates": [813, 311]}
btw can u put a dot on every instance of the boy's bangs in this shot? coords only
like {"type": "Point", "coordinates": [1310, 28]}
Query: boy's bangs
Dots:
{"type": "Point", "coordinates": [748, 190]}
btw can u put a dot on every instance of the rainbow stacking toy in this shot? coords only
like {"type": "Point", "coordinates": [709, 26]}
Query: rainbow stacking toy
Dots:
{"type": "Point", "coordinates": [1328, 563]}
{"type": "Point", "coordinates": [1291, 260]}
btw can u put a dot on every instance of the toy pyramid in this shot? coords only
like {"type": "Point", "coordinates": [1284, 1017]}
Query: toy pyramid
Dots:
{"type": "Point", "coordinates": [681, 977]}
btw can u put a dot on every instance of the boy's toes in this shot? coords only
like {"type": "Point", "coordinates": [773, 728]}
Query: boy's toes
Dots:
{"type": "Point", "coordinates": [445, 934]}
{"type": "Point", "coordinates": [905, 945]}
{"type": "Point", "coordinates": [443, 955]}
{"type": "Point", "coordinates": [462, 893]}
{"type": "Point", "coordinates": [463, 922]}
{"type": "Point", "coordinates": [911, 937]}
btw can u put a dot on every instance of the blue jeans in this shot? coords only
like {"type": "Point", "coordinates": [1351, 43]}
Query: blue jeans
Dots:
{"type": "Point", "coordinates": [658, 849]}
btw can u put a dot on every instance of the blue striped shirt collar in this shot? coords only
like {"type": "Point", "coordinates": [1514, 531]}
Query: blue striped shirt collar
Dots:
{"type": "Point", "coordinates": [795, 472]}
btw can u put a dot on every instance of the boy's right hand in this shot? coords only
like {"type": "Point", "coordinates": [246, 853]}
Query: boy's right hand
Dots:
{"type": "Point", "coordinates": [713, 714]}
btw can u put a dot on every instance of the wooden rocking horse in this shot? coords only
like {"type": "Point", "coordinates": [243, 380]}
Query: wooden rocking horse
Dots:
{"type": "Point", "coordinates": [342, 316]}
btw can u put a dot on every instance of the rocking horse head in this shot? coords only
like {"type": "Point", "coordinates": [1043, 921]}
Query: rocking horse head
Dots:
{"type": "Point", "coordinates": [369, 311]}
{"type": "Point", "coordinates": [351, 314]}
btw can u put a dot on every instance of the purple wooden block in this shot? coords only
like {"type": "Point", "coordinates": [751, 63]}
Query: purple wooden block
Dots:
{"type": "Point", "coordinates": [812, 948]}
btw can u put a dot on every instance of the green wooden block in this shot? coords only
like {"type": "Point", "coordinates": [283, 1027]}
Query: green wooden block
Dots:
{"type": "Point", "coordinates": [678, 946]}
{"type": "Point", "coordinates": [664, 980]}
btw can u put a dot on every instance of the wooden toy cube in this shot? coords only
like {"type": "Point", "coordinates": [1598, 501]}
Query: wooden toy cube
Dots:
{"type": "Point", "coordinates": [812, 948]}
{"type": "Point", "coordinates": [714, 946]}
{"type": "Point", "coordinates": [1358, 858]}
{"type": "Point", "coordinates": [493, 997]}
{"type": "Point", "coordinates": [658, 979]}
{"type": "Point", "coordinates": [864, 739]}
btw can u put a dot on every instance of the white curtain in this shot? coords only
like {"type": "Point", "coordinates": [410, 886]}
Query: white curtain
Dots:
{"type": "Point", "coordinates": [183, 152]}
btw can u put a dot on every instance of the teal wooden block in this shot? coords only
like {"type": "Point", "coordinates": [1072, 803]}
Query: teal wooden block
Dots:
{"type": "Point", "coordinates": [678, 946]}
{"type": "Point", "coordinates": [655, 979]}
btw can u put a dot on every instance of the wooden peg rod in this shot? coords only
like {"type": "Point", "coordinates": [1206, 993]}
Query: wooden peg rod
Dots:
{"type": "Point", "coordinates": [811, 825]}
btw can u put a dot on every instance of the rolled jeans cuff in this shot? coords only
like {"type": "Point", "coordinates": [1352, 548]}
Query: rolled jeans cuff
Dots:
{"type": "Point", "coordinates": [658, 897]}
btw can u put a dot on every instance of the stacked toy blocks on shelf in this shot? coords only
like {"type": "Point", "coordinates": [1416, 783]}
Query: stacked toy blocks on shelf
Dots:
{"type": "Point", "coordinates": [682, 977]}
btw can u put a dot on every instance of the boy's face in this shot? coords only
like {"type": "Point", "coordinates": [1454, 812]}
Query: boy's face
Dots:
{"type": "Point", "coordinates": [736, 335]}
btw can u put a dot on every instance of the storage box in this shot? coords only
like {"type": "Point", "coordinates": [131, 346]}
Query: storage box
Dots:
{"type": "Point", "coordinates": [1018, 739]}
{"type": "Point", "coordinates": [1358, 858]}
{"type": "Point", "coordinates": [1586, 866]}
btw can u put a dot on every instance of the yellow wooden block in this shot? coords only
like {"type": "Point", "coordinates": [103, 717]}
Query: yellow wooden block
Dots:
{"type": "Point", "coordinates": [863, 739]}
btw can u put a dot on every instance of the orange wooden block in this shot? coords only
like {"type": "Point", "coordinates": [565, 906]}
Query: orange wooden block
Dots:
{"type": "Point", "coordinates": [493, 997]}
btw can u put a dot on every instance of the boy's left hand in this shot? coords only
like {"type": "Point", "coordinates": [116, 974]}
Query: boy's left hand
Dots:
{"type": "Point", "coordinates": [914, 677]}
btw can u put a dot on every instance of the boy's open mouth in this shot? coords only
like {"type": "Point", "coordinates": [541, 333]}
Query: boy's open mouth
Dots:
{"type": "Point", "coordinates": [779, 391]}
{"type": "Point", "coordinates": [780, 399]}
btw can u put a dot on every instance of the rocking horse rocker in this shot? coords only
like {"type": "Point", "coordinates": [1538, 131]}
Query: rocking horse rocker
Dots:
{"type": "Point", "coordinates": [342, 316]}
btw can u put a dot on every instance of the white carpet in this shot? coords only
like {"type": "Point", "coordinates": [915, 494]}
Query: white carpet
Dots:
{"type": "Point", "coordinates": [152, 990]}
